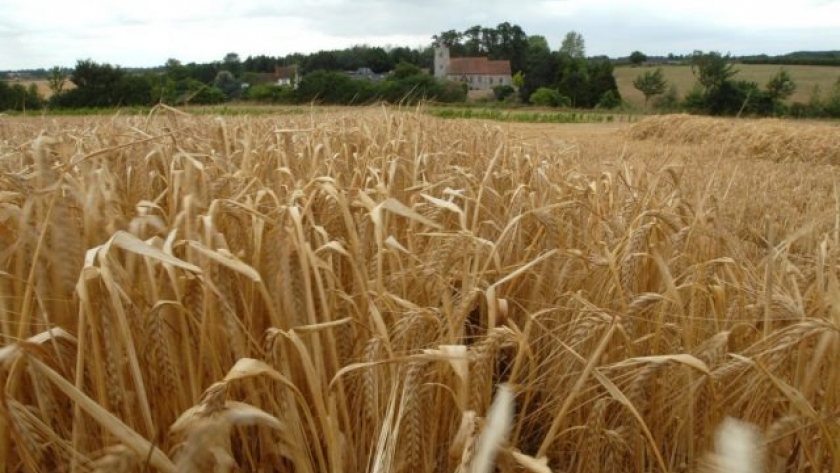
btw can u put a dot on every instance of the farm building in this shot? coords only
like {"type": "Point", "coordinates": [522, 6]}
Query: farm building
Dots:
{"type": "Point", "coordinates": [285, 75]}
{"type": "Point", "coordinates": [479, 73]}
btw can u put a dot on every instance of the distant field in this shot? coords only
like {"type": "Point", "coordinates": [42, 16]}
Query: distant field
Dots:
{"type": "Point", "coordinates": [43, 86]}
{"type": "Point", "coordinates": [806, 77]}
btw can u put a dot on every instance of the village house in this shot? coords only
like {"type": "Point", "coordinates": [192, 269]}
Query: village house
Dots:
{"type": "Point", "coordinates": [285, 75]}
{"type": "Point", "coordinates": [479, 73]}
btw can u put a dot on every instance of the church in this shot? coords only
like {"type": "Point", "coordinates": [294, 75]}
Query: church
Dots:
{"type": "Point", "coordinates": [479, 73]}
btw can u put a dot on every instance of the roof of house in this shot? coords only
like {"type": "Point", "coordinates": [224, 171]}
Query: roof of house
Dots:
{"type": "Point", "coordinates": [478, 65]}
{"type": "Point", "coordinates": [284, 72]}
{"type": "Point", "coordinates": [262, 77]}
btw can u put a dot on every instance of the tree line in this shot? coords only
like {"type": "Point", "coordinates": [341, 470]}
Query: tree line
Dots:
{"type": "Point", "coordinates": [799, 58]}
{"type": "Point", "coordinates": [20, 97]}
{"type": "Point", "coordinates": [567, 75]}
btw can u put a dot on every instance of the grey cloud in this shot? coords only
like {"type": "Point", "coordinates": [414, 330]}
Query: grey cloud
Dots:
{"type": "Point", "coordinates": [612, 28]}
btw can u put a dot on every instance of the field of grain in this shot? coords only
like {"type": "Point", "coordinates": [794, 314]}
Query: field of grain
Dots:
{"type": "Point", "coordinates": [346, 291]}
{"type": "Point", "coordinates": [806, 77]}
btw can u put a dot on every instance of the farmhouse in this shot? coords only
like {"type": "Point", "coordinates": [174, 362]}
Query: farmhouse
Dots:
{"type": "Point", "coordinates": [285, 75]}
{"type": "Point", "coordinates": [479, 73]}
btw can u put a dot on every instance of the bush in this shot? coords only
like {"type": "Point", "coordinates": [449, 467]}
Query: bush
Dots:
{"type": "Point", "coordinates": [609, 100]}
{"type": "Point", "coordinates": [201, 94]}
{"type": "Point", "coordinates": [409, 89]}
{"type": "Point", "coordinates": [453, 92]}
{"type": "Point", "coordinates": [545, 97]}
{"type": "Point", "coordinates": [135, 90]}
{"type": "Point", "coordinates": [831, 106]}
{"type": "Point", "coordinates": [333, 88]}
{"type": "Point", "coordinates": [18, 97]}
{"type": "Point", "coordinates": [741, 97]}
{"type": "Point", "coordinates": [669, 101]}
{"type": "Point", "coordinates": [407, 84]}
{"type": "Point", "coordinates": [502, 92]}
{"type": "Point", "coordinates": [271, 93]}
{"type": "Point", "coordinates": [404, 70]}
{"type": "Point", "coordinates": [402, 88]}
{"type": "Point", "coordinates": [695, 100]}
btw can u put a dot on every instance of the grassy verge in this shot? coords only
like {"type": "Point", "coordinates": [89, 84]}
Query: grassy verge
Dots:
{"type": "Point", "coordinates": [533, 116]}
{"type": "Point", "coordinates": [462, 111]}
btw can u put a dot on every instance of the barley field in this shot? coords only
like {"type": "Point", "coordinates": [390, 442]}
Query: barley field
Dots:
{"type": "Point", "coordinates": [346, 291]}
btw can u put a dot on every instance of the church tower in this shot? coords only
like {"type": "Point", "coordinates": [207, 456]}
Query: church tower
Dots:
{"type": "Point", "coordinates": [441, 60]}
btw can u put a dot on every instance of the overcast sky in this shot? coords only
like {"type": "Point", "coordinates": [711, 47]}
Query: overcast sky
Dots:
{"type": "Point", "coordinates": [43, 33]}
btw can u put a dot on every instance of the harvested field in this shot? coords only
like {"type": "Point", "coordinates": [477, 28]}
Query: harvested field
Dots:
{"type": "Point", "coordinates": [345, 291]}
{"type": "Point", "coordinates": [773, 139]}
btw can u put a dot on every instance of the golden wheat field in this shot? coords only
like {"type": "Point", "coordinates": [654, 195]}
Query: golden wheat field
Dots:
{"type": "Point", "coordinates": [345, 291]}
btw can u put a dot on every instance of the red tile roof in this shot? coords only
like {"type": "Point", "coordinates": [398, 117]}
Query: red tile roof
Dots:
{"type": "Point", "coordinates": [478, 65]}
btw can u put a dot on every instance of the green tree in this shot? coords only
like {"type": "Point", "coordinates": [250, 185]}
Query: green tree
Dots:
{"type": "Point", "coordinates": [271, 93]}
{"type": "Point", "coordinates": [502, 92]}
{"type": "Point", "coordinates": [194, 92]}
{"type": "Point", "coordinates": [376, 59]}
{"type": "Point", "coordinates": [670, 100]}
{"type": "Point", "coordinates": [538, 42]}
{"type": "Point", "coordinates": [452, 40]}
{"type": "Point", "coordinates": [518, 80]}
{"type": "Point", "coordinates": [227, 83]}
{"type": "Point", "coordinates": [404, 70]}
{"type": "Point", "coordinates": [321, 61]}
{"type": "Point", "coordinates": [780, 86]}
{"type": "Point", "coordinates": [609, 100]}
{"type": "Point", "coordinates": [651, 84]}
{"type": "Point", "coordinates": [97, 85]}
{"type": "Point", "coordinates": [541, 70]}
{"type": "Point", "coordinates": [814, 107]}
{"type": "Point", "coordinates": [232, 63]}
{"type": "Point", "coordinates": [472, 44]}
{"type": "Point", "coordinates": [18, 97]}
{"type": "Point", "coordinates": [404, 54]}
{"type": "Point", "coordinates": [333, 88]}
{"type": "Point", "coordinates": [409, 84]}
{"type": "Point", "coordinates": [135, 89]}
{"type": "Point", "coordinates": [33, 97]}
{"type": "Point", "coordinates": [204, 72]}
{"type": "Point", "coordinates": [512, 44]}
{"type": "Point", "coordinates": [260, 63]}
{"type": "Point", "coordinates": [57, 79]}
{"type": "Point", "coordinates": [711, 69]}
{"type": "Point", "coordinates": [737, 98]}
{"type": "Point", "coordinates": [545, 97]}
{"type": "Point", "coordinates": [637, 58]}
{"type": "Point", "coordinates": [831, 106]}
{"type": "Point", "coordinates": [574, 81]}
{"type": "Point", "coordinates": [718, 94]}
{"type": "Point", "coordinates": [175, 70]}
{"type": "Point", "coordinates": [601, 81]}
{"type": "Point", "coordinates": [573, 45]}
